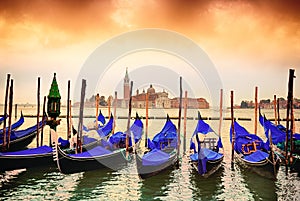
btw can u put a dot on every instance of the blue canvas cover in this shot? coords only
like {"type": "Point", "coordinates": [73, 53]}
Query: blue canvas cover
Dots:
{"type": "Point", "coordinates": [243, 137]}
{"type": "Point", "coordinates": [101, 118]}
{"type": "Point", "coordinates": [150, 144]}
{"type": "Point", "coordinates": [106, 144]}
{"type": "Point", "coordinates": [85, 129]}
{"type": "Point", "coordinates": [66, 143]}
{"type": "Point", "coordinates": [22, 133]}
{"type": "Point", "coordinates": [202, 155]}
{"type": "Point", "coordinates": [97, 151]}
{"type": "Point", "coordinates": [107, 128]}
{"type": "Point", "coordinates": [33, 151]}
{"type": "Point", "coordinates": [119, 137]}
{"type": "Point", "coordinates": [278, 132]}
{"type": "Point", "coordinates": [203, 128]}
{"type": "Point", "coordinates": [167, 136]}
{"type": "Point", "coordinates": [239, 131]}
{"type": "Point", "coordinates": [14, 125]}
{"type": "Point", "coordinates": [136, 129]}
{"type": "Point", "coordinates": [154, 158]}
{"type": "Point", "coordinates": [63, 143]}
{"type": "Point", "coordinates": [257, 156]}
{"type": "Point", "coordinates": [206, 153]}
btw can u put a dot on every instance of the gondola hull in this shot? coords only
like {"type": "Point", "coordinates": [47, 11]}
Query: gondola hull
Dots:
{"type": "Point", "coordinates": [68, 164]}
{"type": "Point", "coordinates": [20, 143]}
{"type": "Point", "coordinates": [264, 168]}
{"type": "Point", "coordinates": [212, 166]}
{"type": "Point", "coordinates": [148, 171]}
{"type": "Point", "coordinates": [13, 161]}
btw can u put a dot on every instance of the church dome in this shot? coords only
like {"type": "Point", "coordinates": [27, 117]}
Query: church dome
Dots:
{"type": "Point", "coordinates": [151, 90]}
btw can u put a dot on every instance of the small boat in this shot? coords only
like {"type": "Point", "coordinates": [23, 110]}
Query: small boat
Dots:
{"type": "Point", "coordinates": [278, 133]}
{"type": "Point", "coordinates": [95, 158]}
{"type": "Point", "coordinates": [100, 119]}
{"type": "Point", "coordinates": [43, 155]}
{"type": "Point", "coordinates": [206, 158]}
{"type": "Point", "coordinates": [28, 158]}
{"type": "Point", "coordinates": [251, 152]}
{"type": "Point", "coordinates": [161, 153]}
{"type": "Point", "coordinates": [89, 141]}
{"type": "Point", "coordinates": [118, 139]}
{"type": "Point", "coordinates": [14, 126]}
{"type": "Point", "coordinates": [22, 138]}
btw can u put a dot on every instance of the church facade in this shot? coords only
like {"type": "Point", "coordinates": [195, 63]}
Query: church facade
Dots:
{"type": "Point", "coordinates": [156, 99]}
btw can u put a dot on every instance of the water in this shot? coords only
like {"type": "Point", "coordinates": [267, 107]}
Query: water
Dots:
{"type": "Point", "coordinates": [229, 183]}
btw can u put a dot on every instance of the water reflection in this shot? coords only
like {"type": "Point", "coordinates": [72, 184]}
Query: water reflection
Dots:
{"type": "Point", "coordinates": [209, 188]}
{"type": "Point", "coordinates": [155, 187]}
{"type": "Point", "coordinates": [90, 184]}
{"type": "Point", "coordinates": [39, 184]}
{"type": "Point", "coordinates": [261, 188]}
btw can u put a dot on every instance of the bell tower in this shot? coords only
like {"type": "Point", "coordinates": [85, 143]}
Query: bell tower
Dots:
{"type": "Point", "coordinates": [126, 86]}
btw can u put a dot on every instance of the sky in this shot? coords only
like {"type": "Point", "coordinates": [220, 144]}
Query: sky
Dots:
{"type": "Point", "coordinates": [250, 43]}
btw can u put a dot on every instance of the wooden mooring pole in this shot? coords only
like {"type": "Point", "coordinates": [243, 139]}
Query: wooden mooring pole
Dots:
{"type": "Point", "coordinates": [232, 128]}
{"type": "Point", "coordinates": [11, 94]}
{"type": "Point", "coordinates": [80, 122]}
{"type": "Point", "coordinates": [255, 111]}
{"type": "Point", "coordinates": [146, 130]}
{"type": "Point", "coordinates": [5, 113]}
{"type": "Point", "coordinates": [289, 106]}
{"type": "Point", "coordinates": [16, 111]}
{"type": "Point", "coordinates": [128, 119]}
{"type": "Point", "coordinates": [275, 110]}
{"type": "Point", "coordinates": [184, 120]}
{"type": "Point", "coordinates": [44, 119]}
{"type": "Point", "coordinates": [179, 116]}
{"type": "Point", "coordinates": [38, 111]}
{"type": "Point", "coordinates": [68, 111]}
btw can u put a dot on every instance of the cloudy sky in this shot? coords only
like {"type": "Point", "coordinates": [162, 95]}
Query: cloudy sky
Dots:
{"type": "Point", "coordinates": [251, 42]}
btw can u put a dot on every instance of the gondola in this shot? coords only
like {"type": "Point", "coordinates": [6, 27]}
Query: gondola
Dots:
{"type": "Point", "coordinates": [89, 142]}
{"type": "Point", "coordinates": [14, 126]}
{"type": "Point", "coordinates": [28, 158]}
{"type": "Point", "coordinates": [278, 133]}
{"type": "Point", "coordinates": [100, 119]}
{"type": "Point", "coordinates": [43, 155]}
{"type": "Point", "coordinates": [251, 152]}
{"type": "Point", "coordinates": [105, 153]}
{"type": "Point", "coordinates": [118, 139]}
{"type": "Point", "coordinates": [96, 158]}
{"type": "Point", "coordinates": [205, 145]}
{"type": "Point", "coordinates": [161, 153]}
{"type": "Point", "coordinates": [20, 139]}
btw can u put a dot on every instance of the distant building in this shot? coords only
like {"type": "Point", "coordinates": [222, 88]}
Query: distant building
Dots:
{"type": "Point", "coordinates": [193, 103]}
{"type": "Point", "coordinates": [126, 86]}
{"type": "Point", "coordinates": [155, 99]}
{"type": "Point", "coordinates": [268, 104]}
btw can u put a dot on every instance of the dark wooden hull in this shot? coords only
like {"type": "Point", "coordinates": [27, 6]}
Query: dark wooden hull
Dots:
{"type": "Point", "coordinates": [68, 164]}
{"type": "Point", "coordinates": [212, 166]}
{"type": "Point", "coordinates": [263, 168]}
{"type": "Point", "coordinates": [12, 162]}
{"type": "Point", "coordinates": [20, 143]}
{"type": "Point", "coordinates": [148, 171]}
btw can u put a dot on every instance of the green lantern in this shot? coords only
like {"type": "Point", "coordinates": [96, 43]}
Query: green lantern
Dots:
{"type": "Point", "coordinates": [53, 105]}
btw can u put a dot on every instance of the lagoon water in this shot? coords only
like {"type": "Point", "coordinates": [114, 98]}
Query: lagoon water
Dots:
{"type": "Point", "coordinates": [229, 183]}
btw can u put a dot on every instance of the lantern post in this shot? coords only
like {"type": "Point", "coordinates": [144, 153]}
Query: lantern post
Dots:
{"type": "Point", "coordinates": [53, 105]}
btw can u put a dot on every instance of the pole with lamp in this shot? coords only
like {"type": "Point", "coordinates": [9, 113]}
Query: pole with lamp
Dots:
{"type": "Point", "coordinates": [53, 106]}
